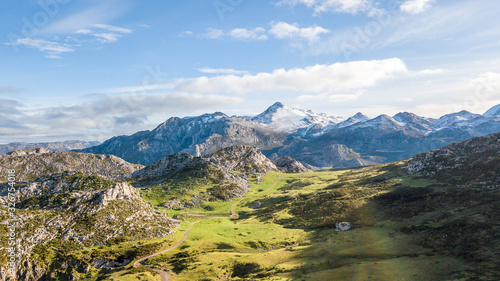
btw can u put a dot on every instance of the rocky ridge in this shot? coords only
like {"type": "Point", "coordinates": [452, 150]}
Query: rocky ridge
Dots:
{"type": "Point", "coordinates": [232, 165]}
{"type": "Point", "coordinates": [472, 162]}
{"type": "Point", "coordinates": [51, 146]}
{"type": "Point", "coordinates": [31, 164]}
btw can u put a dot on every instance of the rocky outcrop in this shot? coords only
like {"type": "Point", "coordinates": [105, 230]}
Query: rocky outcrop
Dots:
{"type": "Point", "coordinates": [234, 164]}
{"type": "Point", "coordinates": [107, 264]}
{"type": "Point", "coordinates": [256, 205]}
{"type": "Point", "coordinates": [83, 205]}
{"type": "Point", "coordinates": [228, 171]}
{"type": "Point", "coordinates": [170, 164]}
{"type": "Point", "coordinates": [245, 159]}
{"type": "Point", "coordinates": [471, 162]}
{"type": "Point", "coordinates": [342, 226]}
{"type": "Point", "coordinates": [35, 151]}
{"type": "Point", "coordinates": [121, 191]}
{"type": "Point", "coordinates": [31, 164]}
{"type": "Point", "coordinates": [290, 165]}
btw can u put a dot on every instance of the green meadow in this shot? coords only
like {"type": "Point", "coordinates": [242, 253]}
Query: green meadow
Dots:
{"type": "Point", "coordinates": [292, 235]}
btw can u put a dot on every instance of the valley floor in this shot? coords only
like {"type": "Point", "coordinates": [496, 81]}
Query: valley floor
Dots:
{"type": "Point", "coordinates": [399, 233]}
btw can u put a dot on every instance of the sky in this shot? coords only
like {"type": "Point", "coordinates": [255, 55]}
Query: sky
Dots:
{"type": "Point", "coordinates": [90, 70]}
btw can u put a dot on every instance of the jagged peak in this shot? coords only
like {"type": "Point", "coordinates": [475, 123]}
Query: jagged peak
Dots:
{"type": "Point", "coordinates": [462, 113]}
{"type": "Point", "coordinates": [360, 116]}
{"type": "Point", "coordinates": [405, 114]}
{"type": "Point", "coordinates": [286, 118]}
{"type": "Point", "coordinates": [277, 105]}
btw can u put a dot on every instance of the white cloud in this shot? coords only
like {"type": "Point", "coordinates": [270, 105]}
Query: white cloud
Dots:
{"type": "Point", "coordinates": [101, 12]}
{"type": "Point", "coordinates": [112, 28]}
{"type": "Point", "coordinates": [389, 29]}
{"type": "Point", "coordinates": [312, 79]}
{"type": "Point", "coordinates": [248, 34]}
{"type": "Point", "coordinates": [431, 71]}
{"type": "Point", "coordinates": [107, 116]}
{"type": "Point", "coordinates": [283, 30]}
{"type": "Point", "coordinates": [213, 33]}
{"type": "Point", "coordinates": [138, 89]}
{"type": "Point", "coordinates": [51, 49]}
{"type": "Point", "coordinates": [280, 30]}
{"type": "Point", "coordinates": [106, 33]}
{"type": "Point", "coordinates": [338, 6]}
{"type": "Point", "coordinates": [186, 33]}
{"type": "Point", "coordinates": [221, 71]}
{"type": "Point", "coordinates": [83, 31]}
{"type": "Point", "coordinates": [414, 7]}
{"type": "Point", "coordinates": [338, 98]}
{"type": "Point", "coordinates": [78, 27]}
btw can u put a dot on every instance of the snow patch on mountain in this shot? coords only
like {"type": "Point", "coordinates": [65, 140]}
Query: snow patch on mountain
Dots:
{"type": "Point", "coordinates": [453, 119]}
{"type": "Point", "coordinates": [494, 111]}
{"type": "Point", "coordinates": [357, 118]}
{"type": "Point", "coordinates": [283, 118]}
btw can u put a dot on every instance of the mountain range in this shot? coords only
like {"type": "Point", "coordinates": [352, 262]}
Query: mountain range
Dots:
{"type": "Point", "coordinates": [317, 140]}
{"type": "Point", "coordinates": [84, 216]}
{"type": "Point", "coordinates": [53, 146]}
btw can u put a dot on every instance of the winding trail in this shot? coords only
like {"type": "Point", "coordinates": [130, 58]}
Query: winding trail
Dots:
{"type": "Point", "coordinates": [165, 276]}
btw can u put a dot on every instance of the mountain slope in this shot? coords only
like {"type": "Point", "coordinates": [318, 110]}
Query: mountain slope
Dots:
{"type": "Point", "coordinates": [68, 201]}
{"type": "Point", "coordinates": [199, 136]}
{"type": "Point", "coordinates": [472, 162]}
{"type": "Point", "coordinates": [224, 175]}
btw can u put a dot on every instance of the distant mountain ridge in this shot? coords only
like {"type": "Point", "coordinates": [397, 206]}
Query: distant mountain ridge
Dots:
{"type": "Point", "coordinates": [313, 139]}
{"type": "Point", "coordinates": [53, 146]}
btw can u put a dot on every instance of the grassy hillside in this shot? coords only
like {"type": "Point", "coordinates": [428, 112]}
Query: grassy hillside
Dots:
{"type": "Point", "coordinates": [404, 228]}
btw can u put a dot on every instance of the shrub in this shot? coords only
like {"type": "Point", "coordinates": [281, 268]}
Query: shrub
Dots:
{"type": "Point", "coordinates": [245, 269]}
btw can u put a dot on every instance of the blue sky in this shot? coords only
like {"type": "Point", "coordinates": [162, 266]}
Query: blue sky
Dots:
{"type": "Point", "coordinates": [94, 69]}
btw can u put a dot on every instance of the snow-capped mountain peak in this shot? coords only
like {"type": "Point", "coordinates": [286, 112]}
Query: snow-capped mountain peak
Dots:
{"type": "Point", "coordinates": [357, 118]}
{"type": "Point", "coordinates": [494, 111]}
{"type": "Point", "coordinates": [449, 120]}
{"type": "Point", "coordinates": [360, 117]}
{"type": "Point", "coordinates": [285, 118]}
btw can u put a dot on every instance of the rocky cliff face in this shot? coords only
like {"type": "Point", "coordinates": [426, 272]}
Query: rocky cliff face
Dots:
{"type": "Point", "coordinates": [198, 136]}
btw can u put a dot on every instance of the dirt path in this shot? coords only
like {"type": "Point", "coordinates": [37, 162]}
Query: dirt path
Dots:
{"type": "Point", "coordinates": [164, 275]}
{"type": "Point", "coordinates": [233, 213]}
